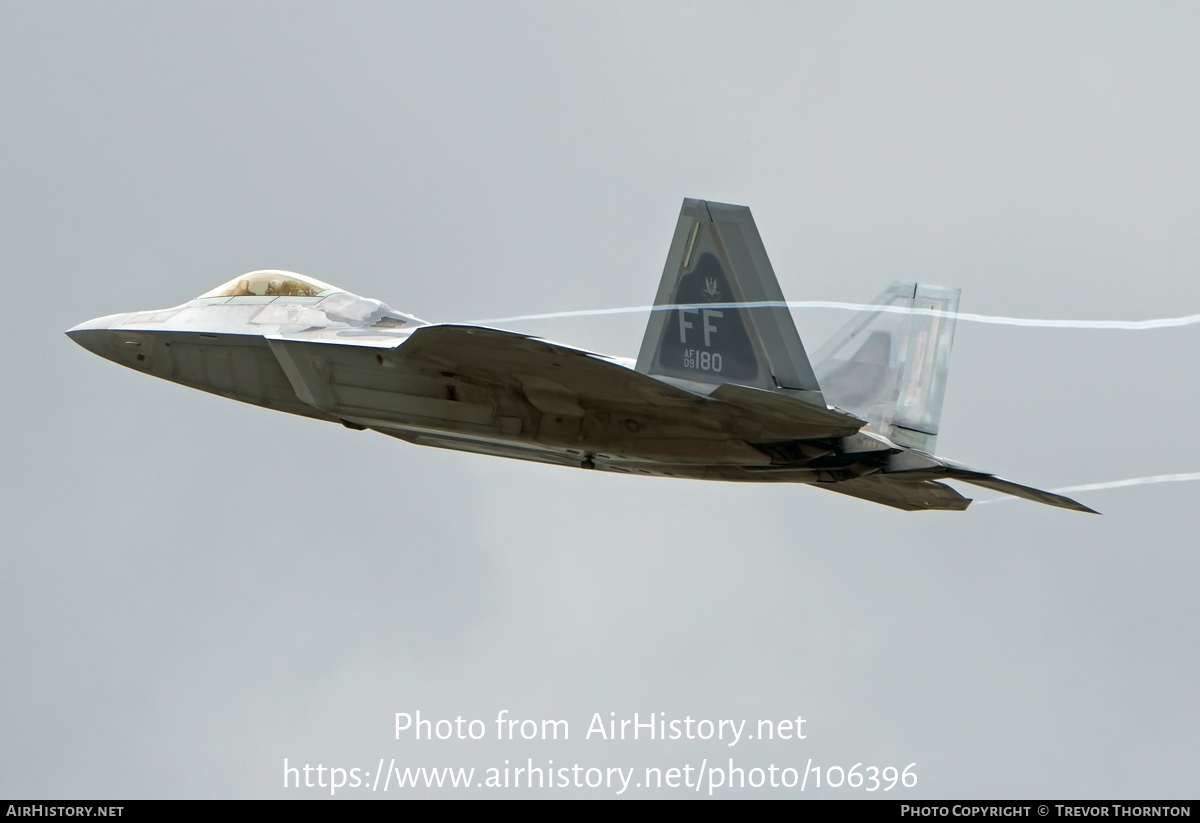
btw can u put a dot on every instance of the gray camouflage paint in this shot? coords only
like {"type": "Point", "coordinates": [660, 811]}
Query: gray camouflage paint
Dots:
{"type": "Point", "coordinates": [729, 395]}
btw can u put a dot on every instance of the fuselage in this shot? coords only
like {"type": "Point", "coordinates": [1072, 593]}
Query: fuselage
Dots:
{"type": "Point", "coordinates": [290, 343]}
{"type": "Point", "coordinates": [722, 388]}
{"type": "Point", "coordinates": [313, 350]}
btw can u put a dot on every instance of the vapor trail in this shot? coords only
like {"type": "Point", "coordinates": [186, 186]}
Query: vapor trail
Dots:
{"type": "Point", "coordinates": [1113, 484]}
{"type": "Point", "coordinates": [1133, 481]}
{"type": "Point", "coordinates": [994, 320]}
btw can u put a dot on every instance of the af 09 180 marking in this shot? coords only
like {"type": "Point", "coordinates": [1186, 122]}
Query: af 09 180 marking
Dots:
{"type": "Point", "coordinates": [703, 360]}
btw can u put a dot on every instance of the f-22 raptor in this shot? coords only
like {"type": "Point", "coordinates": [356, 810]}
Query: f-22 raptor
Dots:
{"type": "Point", "coordinates": [722, 388]}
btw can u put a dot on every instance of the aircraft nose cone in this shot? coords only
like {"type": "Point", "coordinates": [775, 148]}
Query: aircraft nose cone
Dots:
{"type": "Point", "coordinates": [94, 340]}
{"type": "Point", "coordinates": [95, 335]}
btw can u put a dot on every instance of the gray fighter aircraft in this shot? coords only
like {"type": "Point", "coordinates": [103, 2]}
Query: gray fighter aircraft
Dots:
{"type": "Point", "coordinates": [721, 390]}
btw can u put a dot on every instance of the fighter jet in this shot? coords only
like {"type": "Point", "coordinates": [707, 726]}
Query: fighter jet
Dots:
{"type": "Point", "coordinates": [722, 388]}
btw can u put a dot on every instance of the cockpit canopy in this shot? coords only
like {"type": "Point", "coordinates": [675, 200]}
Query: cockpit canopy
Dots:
{"type": "Point", "coordinates": [271, 283]}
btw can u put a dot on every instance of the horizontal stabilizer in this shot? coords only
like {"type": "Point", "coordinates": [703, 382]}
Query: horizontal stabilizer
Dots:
{"type": "Point", "coordinates": [998, 484]}
{"type": "Point", "coordinates": [926, 467]}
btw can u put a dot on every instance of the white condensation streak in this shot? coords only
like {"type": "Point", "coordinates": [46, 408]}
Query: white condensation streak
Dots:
{"type": "Point", "coordinates": [1112, 484]}
{"type": "Point", "coordinates": [986, 319]}
{"type": "Point", "coordinates": [1133, 481]}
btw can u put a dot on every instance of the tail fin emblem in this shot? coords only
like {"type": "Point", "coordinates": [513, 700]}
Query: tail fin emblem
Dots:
{"type": "Point", "coordinates": [710, 289]}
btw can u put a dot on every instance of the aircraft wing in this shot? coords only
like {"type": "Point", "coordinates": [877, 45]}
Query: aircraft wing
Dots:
{"type": "Point", "coordinates": [542, 369]}
{"type": "Point", "coordinates": [411, 392]}
{"type": "Point", "coordinates": [831, 422]}
{"type": "Point", "coordinates": [549, 373]}
{"type": "Point", "coordinates": [908, 494]}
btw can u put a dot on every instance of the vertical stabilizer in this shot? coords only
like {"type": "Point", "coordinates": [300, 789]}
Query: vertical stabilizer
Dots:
{"type": "Point", "coordinates": [716, 264]}
{"type": "Point", "coordinates": [889, 365]}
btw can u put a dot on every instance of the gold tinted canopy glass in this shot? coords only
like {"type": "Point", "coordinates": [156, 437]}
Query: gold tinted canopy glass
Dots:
{"type": "Point", "coordinates": [271, 283]}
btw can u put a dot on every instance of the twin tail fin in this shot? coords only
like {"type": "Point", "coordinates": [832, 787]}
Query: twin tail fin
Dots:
{"type": "Point", "coordinates": [723, 317]}
{"type": "Point", "coordinates": [889, 364]}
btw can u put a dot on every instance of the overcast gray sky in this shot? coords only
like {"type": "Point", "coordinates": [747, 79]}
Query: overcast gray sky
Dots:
{"type": "Point", "coordinates": [193, 589]}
